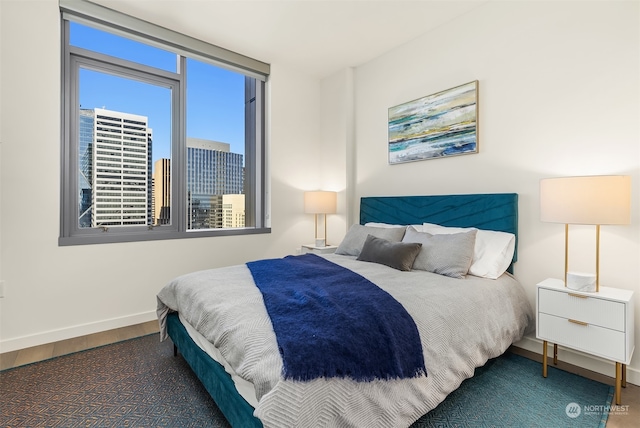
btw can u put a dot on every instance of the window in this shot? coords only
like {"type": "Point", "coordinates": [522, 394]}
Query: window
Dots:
{"type": "Point", "coordinates": [163, 135]}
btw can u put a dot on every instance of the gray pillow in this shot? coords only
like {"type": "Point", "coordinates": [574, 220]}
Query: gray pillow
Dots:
{"type": "Point", "coordinates": [448, 255]}
{"type": "Point", "coordinates": [393, 254]}
{"type": "Point", "coordinates": [353, 242]}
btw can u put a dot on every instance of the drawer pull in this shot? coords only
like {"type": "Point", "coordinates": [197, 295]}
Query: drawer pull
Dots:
{"type": "Point", "coordinates": [578, 295]}
{"type": "Point", "coordinates": [578, 322]}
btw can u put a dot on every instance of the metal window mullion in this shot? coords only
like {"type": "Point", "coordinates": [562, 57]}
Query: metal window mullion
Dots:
{"type": "Point", "coordinates": [250, 156]}
{"type": "Point", "coordinates": [68, 162]}
{"type": "Point", "coordinates": [255, 156]}
{"type": "Point", "coordinates": [122, 63]}
{"type": "Point", "coordinates": [127, 70]}
{"type": "Point", "coordinates": [178, 167]}
{"type": "Point", "coordinates": [260, 149]}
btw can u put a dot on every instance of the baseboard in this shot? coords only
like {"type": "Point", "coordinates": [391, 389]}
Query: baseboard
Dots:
{"type": "Point", "coordinates": [50, 336]}
{"type": "Point", "coordinates": [580, 359]}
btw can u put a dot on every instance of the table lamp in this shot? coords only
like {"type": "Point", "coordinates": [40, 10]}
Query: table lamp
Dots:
{"type": "Point", "coordinates": [320, 202]}
{"type": "Point", "coordinates": [591, 200]}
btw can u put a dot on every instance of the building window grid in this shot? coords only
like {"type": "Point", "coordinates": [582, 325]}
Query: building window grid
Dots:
{"type": "Point", "coordinates": [119, 164]}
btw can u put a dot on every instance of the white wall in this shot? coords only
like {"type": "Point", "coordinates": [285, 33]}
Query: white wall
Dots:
{"type": "Point", "coordinates": [559, 95]}
{"type": "Point", "coordinates": [55, 292]}
{"type": "Point", "coordinates": [336, 146]}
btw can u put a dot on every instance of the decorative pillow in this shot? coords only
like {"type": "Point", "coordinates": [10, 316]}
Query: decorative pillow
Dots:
{"type": "Point", "coordinates": [492, 253]}
{"type": "Point", "coordinates": [352, 243]}
{"type": "Point", "coordinates": [448, 255]}
{"type": "Point", "coordinates": [397, 255]}
{"type": "Point", "coordinates": [417, 227]}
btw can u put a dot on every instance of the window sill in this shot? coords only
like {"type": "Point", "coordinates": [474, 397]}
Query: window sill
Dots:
{"type": "Point", "coordinates": [113, 237]}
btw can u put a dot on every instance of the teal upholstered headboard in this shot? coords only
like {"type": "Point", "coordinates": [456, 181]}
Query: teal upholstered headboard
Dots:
{"type": "Point", "coordinates": [491, 211]}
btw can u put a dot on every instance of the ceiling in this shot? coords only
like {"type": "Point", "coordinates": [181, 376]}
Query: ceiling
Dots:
{"type": "Point", "coordinates": [318, 37]}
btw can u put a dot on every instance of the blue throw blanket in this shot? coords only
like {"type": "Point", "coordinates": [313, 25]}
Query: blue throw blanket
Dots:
{"type": "Point", "coordinates": [331, 322]}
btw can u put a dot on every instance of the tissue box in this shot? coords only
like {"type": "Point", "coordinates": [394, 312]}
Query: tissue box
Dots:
{"type": "Point", "coordinates": [581, 281]}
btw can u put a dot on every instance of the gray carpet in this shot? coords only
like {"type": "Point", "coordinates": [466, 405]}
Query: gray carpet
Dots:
{"type": "Point", "coordinates": [139, 383]}
{"type": "Point", "coordinates": [135, 383]}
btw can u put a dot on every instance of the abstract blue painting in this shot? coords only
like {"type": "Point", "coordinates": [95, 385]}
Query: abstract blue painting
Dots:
{"type": "Point", "coordinates": [435, 126]}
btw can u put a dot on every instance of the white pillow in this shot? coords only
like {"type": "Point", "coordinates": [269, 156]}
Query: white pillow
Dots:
{"type": "Point", "coordinates": [492, 253]}
{"type": "Point", "coordinates": [417, 227]}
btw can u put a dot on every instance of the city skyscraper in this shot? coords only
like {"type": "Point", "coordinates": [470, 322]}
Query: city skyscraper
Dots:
{"type": "Point", "coordinates": [233, 211]}
{"type": "Point", "coordinates": [213, 173]}
{"type": "Point", "coordinates": [162, 192]}
{"type": "Point", "coordinates": [115, 172]}
{"type": "Point", "coordinates": [85, 166]}
{"type": "Point", "coordinates": [212, 169]}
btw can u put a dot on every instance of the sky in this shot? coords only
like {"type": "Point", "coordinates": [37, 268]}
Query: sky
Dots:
{"type": "Point", "coordinates": [215, 96]}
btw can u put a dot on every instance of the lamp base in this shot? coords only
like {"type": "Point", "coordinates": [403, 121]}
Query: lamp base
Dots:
{"type": "Point", "coordinates": [320, 242]}
{"type": "Point", "coordinates": [581, 281]}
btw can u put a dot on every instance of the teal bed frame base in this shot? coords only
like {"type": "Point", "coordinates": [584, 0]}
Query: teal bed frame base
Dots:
{"type": "Point", "coordinates": [215, 379]}
{"type": "Point", "coordinates": [492, 211]}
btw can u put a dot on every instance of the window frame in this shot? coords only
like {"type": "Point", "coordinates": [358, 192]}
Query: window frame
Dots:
{"type": "Point", "coordinates": [75, 58]}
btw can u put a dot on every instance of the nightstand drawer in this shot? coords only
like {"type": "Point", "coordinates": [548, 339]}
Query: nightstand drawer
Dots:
{"type": "Point", "coordinates": [589, 338]}
{"type": "Point", "coordinates": [592, 310]}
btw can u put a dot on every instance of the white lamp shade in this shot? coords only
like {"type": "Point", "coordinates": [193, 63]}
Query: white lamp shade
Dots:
{"type": "Point", "coordinates": [603, 199]}
{"type": "Point", "coordinates": [320, 202]}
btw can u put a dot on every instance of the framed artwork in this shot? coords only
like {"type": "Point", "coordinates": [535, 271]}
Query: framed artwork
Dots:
{"type": "Point", "coordinates": [439, 125]}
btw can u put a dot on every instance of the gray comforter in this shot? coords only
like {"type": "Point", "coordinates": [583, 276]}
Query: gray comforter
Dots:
{"type": "Point", "coordinates": [462, 324]}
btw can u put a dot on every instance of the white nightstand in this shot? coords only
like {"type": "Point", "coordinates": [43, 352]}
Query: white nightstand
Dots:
{"type": "Point", "coordinates": [329, 249]}
{"type": "Point", "coordinates": [596, 323]}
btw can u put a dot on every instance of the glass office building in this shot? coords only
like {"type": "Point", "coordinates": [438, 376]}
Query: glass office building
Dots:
{"type": "Point", "coordinates": [213, 174]}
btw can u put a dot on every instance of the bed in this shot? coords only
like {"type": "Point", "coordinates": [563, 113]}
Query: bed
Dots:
{"type": "Point", "coordinates": [226, 334]}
